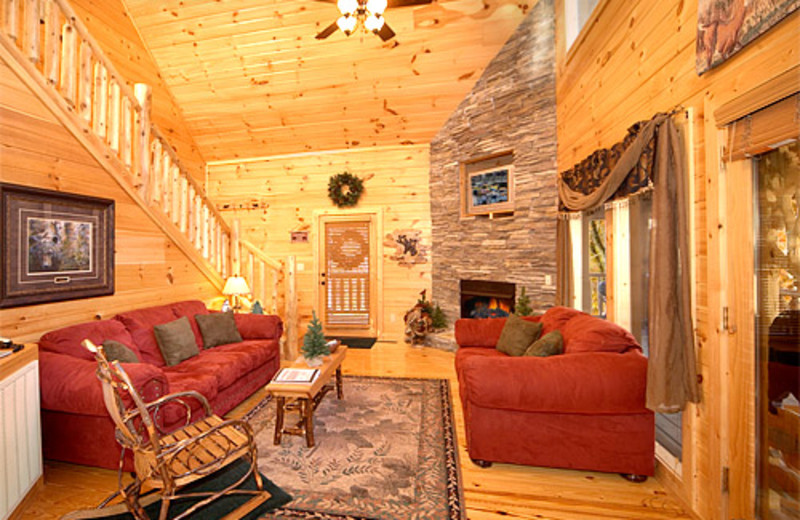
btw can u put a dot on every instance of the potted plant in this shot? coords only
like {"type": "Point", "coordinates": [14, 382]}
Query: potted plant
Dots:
{"type": "Point", "coordinates": [314, 344]}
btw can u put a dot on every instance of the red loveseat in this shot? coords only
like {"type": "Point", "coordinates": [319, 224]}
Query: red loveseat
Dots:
{"type": "Point", "coordinates": [75, 424]}
{"type": "Point", "coordinates": [583, 409]}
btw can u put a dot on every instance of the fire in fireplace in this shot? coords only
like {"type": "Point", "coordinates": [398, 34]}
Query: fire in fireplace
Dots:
{"type": "Point", "coordinates": [487, 299]}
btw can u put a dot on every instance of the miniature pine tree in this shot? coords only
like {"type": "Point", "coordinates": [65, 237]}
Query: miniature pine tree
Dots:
{"type": "Point", "coordinates": [438, 319]}
{"type": "Point", "coordinates": [523, 307]}
{"type": "Point", "coordinates": [314, 344]}
{"type": "Point", "coordinates": [257, 308]}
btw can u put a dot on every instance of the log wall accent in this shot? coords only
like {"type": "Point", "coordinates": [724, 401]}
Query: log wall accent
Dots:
{"type": "Point", "coordinates": [511, 108]}
{"type": "Point", "coordinates": [277, 195]}
{"type": "Point", "coordinates": [633, 59]}
{"type": "Point", "coordinates": [109, 23]}
{"type": "Point", "coordinates": [36, 150]}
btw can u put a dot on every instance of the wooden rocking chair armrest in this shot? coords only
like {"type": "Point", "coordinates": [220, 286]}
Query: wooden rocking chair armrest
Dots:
{"type": "Point", "coordinates": [178, 399]}
{"type": "Point", "coordinates": [178, 396]}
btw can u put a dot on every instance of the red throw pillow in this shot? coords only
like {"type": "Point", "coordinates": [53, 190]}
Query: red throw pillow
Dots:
{"type": "Point", "coordinates": [585, 333]}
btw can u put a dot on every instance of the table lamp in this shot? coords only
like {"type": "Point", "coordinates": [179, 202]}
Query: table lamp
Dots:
{"type": "Point", "coordinates": [236, 286]}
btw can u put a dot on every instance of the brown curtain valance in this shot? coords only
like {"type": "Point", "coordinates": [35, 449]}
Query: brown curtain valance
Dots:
{"type": "Point", "coordinates": [594, 172]}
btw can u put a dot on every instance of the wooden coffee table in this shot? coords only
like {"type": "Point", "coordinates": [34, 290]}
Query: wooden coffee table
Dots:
{"type": "Point", "coordinates": [305, 397]}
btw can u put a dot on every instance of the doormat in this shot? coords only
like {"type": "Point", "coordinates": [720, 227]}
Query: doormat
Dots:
{"type": "Point", "coordinates": [387, 451]}
{"type": "Point", "coordinates": [352, 342]}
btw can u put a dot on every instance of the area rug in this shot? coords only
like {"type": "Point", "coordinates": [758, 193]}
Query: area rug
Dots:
{"type": "Point", "coordinates": [353, 342]}
{"type": "Point", "coordinates": [387, 451]}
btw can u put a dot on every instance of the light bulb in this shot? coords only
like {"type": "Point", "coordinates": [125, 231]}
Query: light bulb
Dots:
{"type": "Point", "coordinates": [347, 6]}
{"type": "Point", "coordinates": [347, 24]}
{"type": "Point", "coordinates": [376, 6]}
{"type": "Point", "coordinates": [373, 23]}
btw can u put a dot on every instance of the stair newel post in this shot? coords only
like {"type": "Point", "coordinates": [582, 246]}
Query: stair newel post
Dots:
{"type": "Point", "coordinates": [85, 83]}
{"type": "Point", "coordinates": [32, 29]}
{"type": "Point", "coordinates": [290, 346]}
{"type": "Point", "coordinates": [69, 55]}
{"type": "Point", "coordinates": [220, 250]}
{"type": "Point", "coordinates": [198, 209]}
{"type": "Point", "coordinates": [175, 189]}
{"type": "Point", "coordinates": [251, 270]}
{"type": "Point", "coordinates": [126, 150]}
{"type": "Point", "coordinates": [262, 282]}
{"type": "Point", "coordinates": [143, 94]}
{"type": "Point", "coordinates": [155, 172]}
{"type": "Point", "coordinates": [114, 116]}
{"type": "Point", "coordinates": [52, 42]}
{"type": "Point", "coordinates": [183, 204]}
{"type": "Point", "coordinates": [12, 23]}
{"type": "Point", "coordinates": [166, 185]}
{"type": "Point", "coordinates": [236, 248]}
{"type": "Point", "coordinates": [276, 278]}
{"type": "Point", "coordinates": [204, 221]}
{"type": "Point", "coordinates": [100, 112]}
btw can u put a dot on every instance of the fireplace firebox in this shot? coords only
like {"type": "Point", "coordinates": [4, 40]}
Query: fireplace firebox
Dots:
{"type": "Point", "coordinates": [487, 299]}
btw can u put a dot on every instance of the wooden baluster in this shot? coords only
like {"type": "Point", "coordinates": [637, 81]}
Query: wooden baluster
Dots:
{"type": "Point", "coordinates": [85, 83]}
{"type": "Point", "coordinates": [166, 185]}
{"type": "Point", "coordinates": [175, 189]}
{"type": "Point", "coordinates": [236, 258]}
{"type": "Point", "coordinates": [226, 254]}
{"type": "Point", "coordinates": [183, 205]}
{"type": "Point", "coordinates": [100, 112]}
{"type": "Point", "coordinates": [251, 269]}
{"type": "Point", "coordinates": [143, 94]}
{"type": "Point", "coordinates": [157, 154]}
{"type": "Point", "coordinates": [199, 238]}
{"type": "Point", "coordinates": [52, 43]}
{"type": "Point", "coordinates": [204, 222]}
{"type": "Point", "coordinates": [212, 241]}
{"type": "Point", "coordinates": [218, 242]}
{"type": "Point", "coordinates": [12, 20]}
{"type": "Point", "coordinates": [127, 133]}
{"type": "Point", "coordinates": [69, 59]}
{"type": "Point", "coordinates": [32, 30]}
{"type": "Point", "coordinates": [262, 283]}
{"type": "Point", "coordinates": [191, 221]}
{"type": "Point", "coordinates": [275, 282]}
{"type": "Point", "coordinates": [114, 116]}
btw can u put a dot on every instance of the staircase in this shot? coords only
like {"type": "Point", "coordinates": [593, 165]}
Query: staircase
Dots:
{"type": "Point", "coordinates": [48, 47]}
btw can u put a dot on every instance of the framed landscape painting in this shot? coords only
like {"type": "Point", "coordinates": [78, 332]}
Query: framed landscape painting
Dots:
{"type": "Point", "coordinates": [724, 27]}
{"type": "Point", "coordinates": [490, 191]}
{"type": "Point", "coordinates": [54, 246]}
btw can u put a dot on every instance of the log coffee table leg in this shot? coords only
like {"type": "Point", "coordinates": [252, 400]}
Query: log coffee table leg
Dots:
{"type": "Point", "coordinates": [339, 391]}
{"type": "Point", "coordinates": [308, 418]}
{"type": "Point", "coordinates": [280, 406]}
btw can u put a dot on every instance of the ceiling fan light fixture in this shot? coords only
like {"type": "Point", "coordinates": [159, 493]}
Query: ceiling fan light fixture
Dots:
{"type": "Point", "coordinates": [347, 24]}
{"type": "Point", "coordinates": [347, 7]}
{"type": "Point", "coordinates": [373, 23]}
{"type": "Point", "coordinates": [376, 7]}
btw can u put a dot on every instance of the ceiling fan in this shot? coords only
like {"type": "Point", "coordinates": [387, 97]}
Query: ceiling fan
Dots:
{"type": "Point", "coordinates": [367, 14]}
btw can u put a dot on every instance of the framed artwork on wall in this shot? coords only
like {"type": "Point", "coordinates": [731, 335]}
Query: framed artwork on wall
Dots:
{"type": "Point", "coordinates": [54, 246]}
{"type": "Point", "coordinates": [487, 185]}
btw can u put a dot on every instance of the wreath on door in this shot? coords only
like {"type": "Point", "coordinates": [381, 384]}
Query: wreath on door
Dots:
{"type": "Point", "coordinates": [344, 189]}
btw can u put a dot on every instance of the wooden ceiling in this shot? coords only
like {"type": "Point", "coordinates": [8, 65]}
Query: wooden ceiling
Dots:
{"type": "Point", "coordinates": [252, 80]}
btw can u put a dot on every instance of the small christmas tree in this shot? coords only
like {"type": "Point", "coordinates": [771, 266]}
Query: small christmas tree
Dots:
{"type": "Point", "coordinates": [438, 319]}
{"type": "Point", "coordinates": [523, 307]}
{"type": "Point", "coordinates": [257, 308]}
{"type": "Point", "coordinates": [314, 344]}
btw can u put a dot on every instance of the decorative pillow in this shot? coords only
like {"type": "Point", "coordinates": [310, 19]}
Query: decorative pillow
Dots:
{"type": "Point", "coordinates": [551, 344]}
{"type": "Point", "coordinates": [218, 328]}
{"type": "Point", "coordinates": [176, 341]}
{"type": "Point", "coordinates": [517, 335]}
{"type": "Point", "coordinates": [116, 351]}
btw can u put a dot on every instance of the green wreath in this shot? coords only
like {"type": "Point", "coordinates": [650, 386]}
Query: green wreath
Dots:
{"type": "Point", "coordinates": [344, 189]}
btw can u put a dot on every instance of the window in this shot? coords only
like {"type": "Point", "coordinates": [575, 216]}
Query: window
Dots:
{"type": "Point", "coordinates": [576, 14]}
{"type": "Point", "coordinates": [594, 268]}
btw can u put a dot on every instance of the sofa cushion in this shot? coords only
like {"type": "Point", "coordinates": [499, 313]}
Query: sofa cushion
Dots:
{"type": "Point", "coordinates": [517, 335]}
{"type": "Point", "coordinates": [556, 317]}
{"type": "Point", "coordinates": [551, 344]}
{"type": "Point", "coordinates": [227, 363]}
{"type": "Point", "coordinates": [585, 333]}
{"type": "Point", "coordinates": [176, 341]}
{"type": "Point", "coordinates": [472, 332]}
{"type": "Point", "coordinates": [140, 324]}
{"type": "Point", "coordinates": [218, 329]}
{"type": "Point", "coordinates": [190, 309]}
{"type": "Point", "coordinates": [116, 351]}
{"type": "Point", "coordinates": [258, 326]}
{"type": "Point", "coordinates": [68, 340]}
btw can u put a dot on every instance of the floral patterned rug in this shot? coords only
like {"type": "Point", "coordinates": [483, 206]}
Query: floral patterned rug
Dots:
{"type": "Point", "coordinates": [387, 451]}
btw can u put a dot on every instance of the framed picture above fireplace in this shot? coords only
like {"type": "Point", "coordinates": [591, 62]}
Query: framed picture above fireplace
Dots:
{"type": "Point", "coordinates": [487, 185]}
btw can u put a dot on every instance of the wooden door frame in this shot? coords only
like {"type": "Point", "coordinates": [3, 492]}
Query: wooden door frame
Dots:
{"type": "Point", "coordinates": [375, 215]}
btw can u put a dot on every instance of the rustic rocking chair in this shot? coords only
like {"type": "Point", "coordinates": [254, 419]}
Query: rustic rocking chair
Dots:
{"type": "Point", "coordinates": [166, 462]}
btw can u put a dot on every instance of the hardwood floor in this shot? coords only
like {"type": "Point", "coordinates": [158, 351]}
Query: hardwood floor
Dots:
{"type": "Point", "coordinates": [502, 491]}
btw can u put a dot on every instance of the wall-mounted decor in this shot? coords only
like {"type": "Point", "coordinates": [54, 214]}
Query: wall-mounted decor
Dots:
{"type": "Point", "coordinates": [487, 185]}
{"type": "Point", "coordinates": [299, 237]}
{"type": "Point", "coordinates": [409, 249]}
{"type": "Point", "coordinates": [725, 26]}
{"type": "Point", "coordinates": [54, 246]}
{"type": "Point", "coordinates": [344, 189]}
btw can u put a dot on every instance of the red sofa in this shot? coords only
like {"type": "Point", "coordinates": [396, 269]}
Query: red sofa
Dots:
{"type": "Point", "coordinates": [583, 409]}
{"type": "Point", "coordinates": [75, 424]}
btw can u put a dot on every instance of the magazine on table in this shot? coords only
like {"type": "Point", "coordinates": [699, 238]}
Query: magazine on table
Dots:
{"type": "Point", "coordinates": [296, 375]}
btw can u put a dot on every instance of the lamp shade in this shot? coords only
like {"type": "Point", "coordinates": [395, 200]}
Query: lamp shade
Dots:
{"type": "Point", "coordinates": [347, 6]}
{"type": "Point", "coordinates": [236, 285]}
{"type": "Point", "coordinates": [376, 6]}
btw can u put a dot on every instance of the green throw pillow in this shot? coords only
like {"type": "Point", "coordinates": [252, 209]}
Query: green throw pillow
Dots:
{"type": "Point", "coordinates": [551, 344]}
{"type": "Point", "coordinates": [517, 335]}
{"type": "Point", "coordinates": [116, 351]}
{"type": "Point", "coordinates": [218, 328]}
{"type": "Point", "coordinates": [176, 341]}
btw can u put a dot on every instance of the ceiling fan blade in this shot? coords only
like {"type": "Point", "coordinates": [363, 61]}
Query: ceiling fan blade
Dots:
{"type": "Point", "coordinates": [324, 33]}
{"type": "Point", "coordinates": [405, 3]}
{"type": "Point", "coordinates": [386, 32]}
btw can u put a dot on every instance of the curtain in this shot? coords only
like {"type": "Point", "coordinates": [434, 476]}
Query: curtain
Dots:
{"type": "Point", "coordinates": [652, 152]}
{"type": "Point", "coordinates": [563, 263]}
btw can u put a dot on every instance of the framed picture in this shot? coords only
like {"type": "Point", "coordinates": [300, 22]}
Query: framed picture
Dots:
{"type": "Point", "coordinates": [54, 246]}
{"type": "Point", "coordinates": [490, 191]}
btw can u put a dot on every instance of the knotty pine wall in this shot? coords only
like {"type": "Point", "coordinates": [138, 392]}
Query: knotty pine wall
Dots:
{"type": "Point", "coordinates": [633, 59]}
{"type": "Point", "coordinates": [289, 189]}
{"type": "Point", "coordinates": [35, 150]}
{"type": "Point", "coordinates": [109, 24]}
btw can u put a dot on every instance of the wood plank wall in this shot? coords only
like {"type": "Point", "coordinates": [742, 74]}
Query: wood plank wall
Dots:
{"type": "Point", "coordinates": [108, 22]}
{"type": "Point", "coordinates": [633, 59]}
{"type": "Point", "coordinates": [35, 150]}
{"type": "Point", "coordinates": [285, 191]}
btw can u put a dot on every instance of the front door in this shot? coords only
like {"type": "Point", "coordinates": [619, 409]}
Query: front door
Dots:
{"type": "Point", "coordinates": [348, 274]}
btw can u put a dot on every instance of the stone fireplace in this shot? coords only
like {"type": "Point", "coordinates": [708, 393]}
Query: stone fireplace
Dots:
{"type": "Point", "coordinates": [486, 299]}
